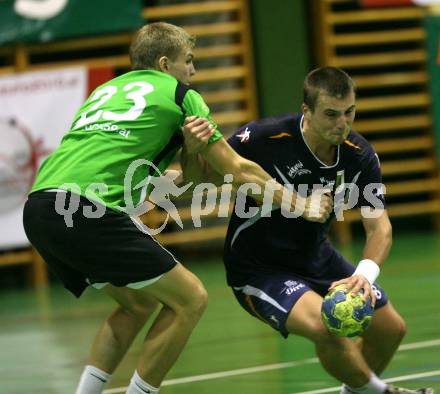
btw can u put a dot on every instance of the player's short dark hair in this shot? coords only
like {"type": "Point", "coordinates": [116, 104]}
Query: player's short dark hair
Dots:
{"type": "Point", "coordinates": [331, 80]}
{"type": "Point", "coordinates": [155, 40]}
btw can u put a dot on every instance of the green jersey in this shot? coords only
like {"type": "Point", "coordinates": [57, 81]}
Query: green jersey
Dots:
{"type": "Point", "coordinates": [130, 125]}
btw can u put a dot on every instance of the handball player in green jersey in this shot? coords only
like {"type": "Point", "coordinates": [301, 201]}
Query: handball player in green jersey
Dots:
{"type": "Point", "coordinates": [79, 214]}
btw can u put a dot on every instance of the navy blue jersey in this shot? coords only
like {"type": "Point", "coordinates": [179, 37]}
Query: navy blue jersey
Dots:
{"type": "Point", "coordinates": [277, 243]}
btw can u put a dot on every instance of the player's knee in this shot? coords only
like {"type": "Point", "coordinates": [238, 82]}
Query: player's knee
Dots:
{"type": "Point", "coordinates": [142, 309]}
{"type": "Point", "coordinates": [316, 331]}
{"type": "Point", "coordinates": [202, 299]}
{"type": "Point", "coordinates": [320, 334]}
{"type": "Point", "coordinates": [197, 303]}
{"type": "Point", "coordinates": [402, 328]}
{"type": "Point", "coordinates": [313, 329]}
{"type": "Point", "coordinates": [393, 327]}
{"type": "Point", "coordinates": [399, 327]}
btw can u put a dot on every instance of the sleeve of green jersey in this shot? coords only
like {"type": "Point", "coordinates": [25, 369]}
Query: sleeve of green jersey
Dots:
{"type": "Point", "coordinates": [194, 105]}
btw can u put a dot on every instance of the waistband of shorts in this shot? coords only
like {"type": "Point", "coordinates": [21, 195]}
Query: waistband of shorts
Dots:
{"type": "Point", "coordinates": [51, 194]}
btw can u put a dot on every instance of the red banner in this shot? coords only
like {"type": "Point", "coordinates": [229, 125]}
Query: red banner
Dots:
{"type": "Point", "coordinates": [98, 76]}
{"type": "Point", "coordinates": [384, 3]}
{"type": "Point", "coordinates": [438, 54]}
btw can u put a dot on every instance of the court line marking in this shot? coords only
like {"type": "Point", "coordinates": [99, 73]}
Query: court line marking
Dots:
{"type": "Point", "coordinates": [389, 380]}
{"type": "Point", "coordinates": [270, 367]}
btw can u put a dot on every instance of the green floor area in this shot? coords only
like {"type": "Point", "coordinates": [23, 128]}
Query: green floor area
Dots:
{"type": "Point", "coordinates": [45, 336]}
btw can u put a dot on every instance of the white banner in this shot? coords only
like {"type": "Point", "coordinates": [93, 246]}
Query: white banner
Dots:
{"type": "Point", "coordinates": [36, 110]}
{"type": "Point", "coordinates": [427, 2]}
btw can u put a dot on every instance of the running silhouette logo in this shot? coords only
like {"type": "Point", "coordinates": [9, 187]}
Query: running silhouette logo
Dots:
{"type": "Point", "coordinates": [244, 136]}
{"type": "Point", "coordinates": [160, 188]}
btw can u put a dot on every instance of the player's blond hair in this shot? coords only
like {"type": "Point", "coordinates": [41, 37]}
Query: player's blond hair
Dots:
{"type": "Point", "coordinates": [155, 40]}
{"type": "Point", "coordinates": [331, 80]}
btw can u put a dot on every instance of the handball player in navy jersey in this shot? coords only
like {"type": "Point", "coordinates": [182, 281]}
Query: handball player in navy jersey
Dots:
{"type": "Point", "coordinates": [280, 267]}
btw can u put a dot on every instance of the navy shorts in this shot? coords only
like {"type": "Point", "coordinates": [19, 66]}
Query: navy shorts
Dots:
{"type": "Point", "coordinates": [93, 251]}
{"type": "Point", "coordinates": [271, 296]}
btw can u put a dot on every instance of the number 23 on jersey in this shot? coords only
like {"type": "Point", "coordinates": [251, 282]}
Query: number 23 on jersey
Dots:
{"type": "Point", "coordinates": [135, 91]}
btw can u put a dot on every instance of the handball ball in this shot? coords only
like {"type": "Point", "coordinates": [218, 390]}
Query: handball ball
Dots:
{"type": "Point", "coordinates": [344, 314]}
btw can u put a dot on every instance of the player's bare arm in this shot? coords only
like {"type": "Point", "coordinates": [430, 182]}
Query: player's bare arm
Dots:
{"type": "Point", "coordinates": [378, 233]}
{"type": "Point", "coordinates": [222, 159]}
{"type": "Point", "coordinates": [318, 205]}
{"type": "Point", "coordinates": [225, 160]}
{"type": "Point", "coordinates": [197, 132]}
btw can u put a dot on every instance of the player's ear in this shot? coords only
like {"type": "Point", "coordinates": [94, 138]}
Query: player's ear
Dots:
{"type": "Point", "coordinates": [305, 110]}
{"type": "Point", "coordinates": [163, 64]}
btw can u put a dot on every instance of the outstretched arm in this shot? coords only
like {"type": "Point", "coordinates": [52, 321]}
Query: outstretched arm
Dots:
{"type": "Point", "coordinates": [223, 159]}
{"type": "Point", "coordinates": [218, 159]}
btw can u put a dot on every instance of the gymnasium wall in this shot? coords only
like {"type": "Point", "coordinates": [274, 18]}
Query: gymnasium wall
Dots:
{"type": "Point", "coordinates": [281, 50]}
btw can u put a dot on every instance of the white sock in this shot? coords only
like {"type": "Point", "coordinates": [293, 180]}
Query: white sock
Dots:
{"type": "Point", "coordinates": [92, 381]}
{"type": "Point", "coordinates": [140, 386]}
{"type": "Point", "coordinates": [374, 386]}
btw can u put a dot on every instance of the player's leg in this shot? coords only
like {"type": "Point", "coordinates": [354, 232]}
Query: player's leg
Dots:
{"type": "Point", "coordinates": [387, 328]}
{"type": "Point", "coordinates": [112, 342]}
{"type": "Point", "coordinates": [339, 356]}
{"type": "Point", "coordinates": [289, 305]}
{"type": "Point", "coordinates": [381, 340]}
{"type": "Point", "coordinates": [46, 229]}
{"type": "Point", "coordinates": [379, 343]}
{"type": "Point", "coordinates": [184, 299]}
{"type": "Point", "coordinates": [120, 328]}
{"type": "Point", "coordinates": [342, 358]}
{"type": "Point", "coordinates": [121, 254]}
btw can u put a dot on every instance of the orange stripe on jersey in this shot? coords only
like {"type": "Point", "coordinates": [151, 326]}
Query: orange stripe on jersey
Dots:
{"type": "Point", "coordinates": [248, 299]}
{"type": "Point", "coordinates": [281, 135]}
{"type": "Point", "coordinates": [352, 145]}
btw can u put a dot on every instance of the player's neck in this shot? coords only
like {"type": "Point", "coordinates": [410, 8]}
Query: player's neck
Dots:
{"type": "Point", "coordinates": [323, 150]}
